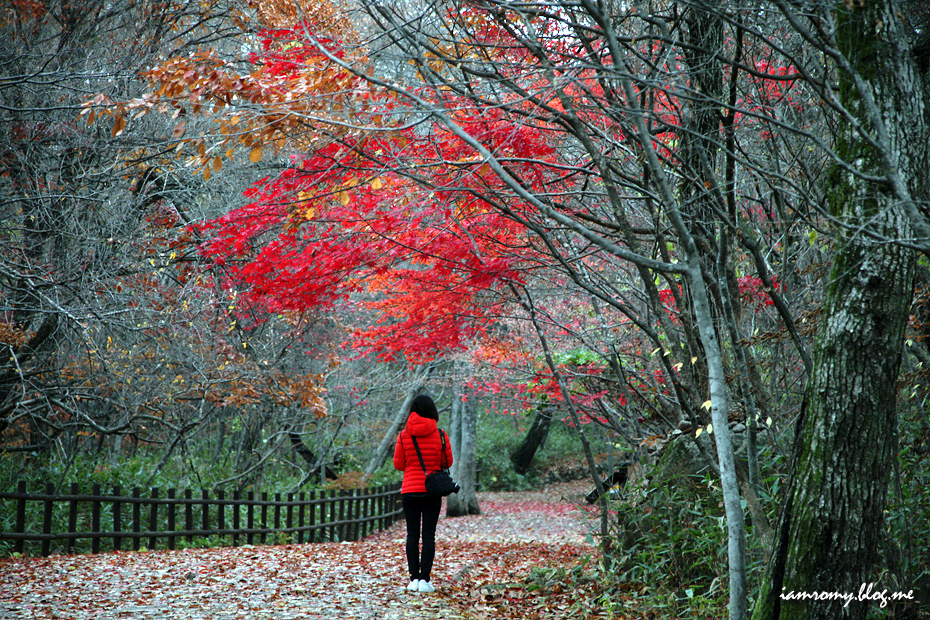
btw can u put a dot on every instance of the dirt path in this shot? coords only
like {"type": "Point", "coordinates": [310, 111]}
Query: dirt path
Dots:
{"type": "Point", "coordinates": [479, 558]}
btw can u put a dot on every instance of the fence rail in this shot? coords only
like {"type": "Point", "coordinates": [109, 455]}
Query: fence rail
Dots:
{"type": "Point", "coordinates": [188, 517]}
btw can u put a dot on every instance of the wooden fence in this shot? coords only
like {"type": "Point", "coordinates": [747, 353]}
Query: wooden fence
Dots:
{"type": "Point", "coordinates": [188, 518]}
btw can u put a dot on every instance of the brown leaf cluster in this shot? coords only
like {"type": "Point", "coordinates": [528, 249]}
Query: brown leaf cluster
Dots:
{"type": "Point", "coordinates": [259, 111]}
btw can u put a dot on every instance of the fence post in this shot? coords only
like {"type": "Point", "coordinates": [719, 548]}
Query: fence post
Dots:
{"type": "Point", "coordinates": [385, 499]}
{"type": "Point", "coordinates": [136, 518]}
{"type": "Point", "coordinates": [341, 529]}
{"type": "Point", "coordinates": [333, 514]}
{"type": "Point", "coordinates": [153, 518]}
{"type": "Point", "coordinates": [20, 545]}
{"type": "Point", "coordinates": [172, 528]}
{"type": "Point", "coordinates": [301, 511]}
{"type": "Point", "coordinates": [395, 503]}
{"type": "Point", "coordinates": [264, 516]}
{"type": "Point", "coordinates": [117, 519]}
{"type": "Point", "coordinates": [312, 532]}
{"type": "Point", "coordinates": [366, 510]}
{"type": "Point", "coordinates": [95, 518]}
{"type": "Point", "coordinates": [358, 512]}
{"type": "Point", "coordinates": [47, 519]}
{"type": "Point", "coordinates": [220, 511]}
{"type": "Point", "coordinates": [369, 525]}
{"type": "Point", "coordinates": [205, 510]}
{"type": "Point", "coordinates": [289, 516]}
{"type": "Point", "coordinates": [72, 516]}
{"type": "Point", "coordinates": [250, 518]}
{"type": "Point", "coordinates": [189, 513]}
{"type": "Point", "coordinates": [237, 497]}
{"type": "Point", "coordinates": [379, 506]}
{"type": "Point", "coordinates": [277, 517]}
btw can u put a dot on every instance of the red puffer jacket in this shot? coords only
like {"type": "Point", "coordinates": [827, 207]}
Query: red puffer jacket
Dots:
{"type": "Point", "coordinates": [405, 455]}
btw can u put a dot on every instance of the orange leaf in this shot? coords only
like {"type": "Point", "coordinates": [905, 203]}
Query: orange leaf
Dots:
{"type": "Point", "coordinates": [256, 155]}
{"type": "Point", "coordinates": [119, 124]}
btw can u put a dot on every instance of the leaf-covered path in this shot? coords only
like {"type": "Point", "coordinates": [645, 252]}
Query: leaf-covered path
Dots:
{"type": "Point", "coordinates": [480, 561]}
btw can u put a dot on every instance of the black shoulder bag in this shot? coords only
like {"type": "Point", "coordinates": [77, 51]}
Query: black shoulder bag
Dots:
{"type": "Point", "coordinates": [439, 483]}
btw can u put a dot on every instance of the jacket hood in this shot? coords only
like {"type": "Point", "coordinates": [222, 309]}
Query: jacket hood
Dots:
{"type": "Point", "coordinates": [418, 426]}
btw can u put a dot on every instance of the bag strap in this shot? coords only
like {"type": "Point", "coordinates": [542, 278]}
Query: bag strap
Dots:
{"type": "Point", "coordinates": [419, 454]}
{"type": "Point", "coordinates": [442, 453]}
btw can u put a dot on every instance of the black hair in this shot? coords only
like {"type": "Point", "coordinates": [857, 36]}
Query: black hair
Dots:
{"type": "Point", "coordinates": [424, 406]}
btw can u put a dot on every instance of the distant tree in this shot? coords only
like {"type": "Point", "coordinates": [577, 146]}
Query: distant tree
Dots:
{"type": "Point", "coordinates": [116, 337]}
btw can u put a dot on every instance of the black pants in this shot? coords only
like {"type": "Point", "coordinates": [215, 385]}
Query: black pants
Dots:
{"type": "Point", "coordinates": [421, 510]}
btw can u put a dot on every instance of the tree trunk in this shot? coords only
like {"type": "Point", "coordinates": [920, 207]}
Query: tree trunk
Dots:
{"type": "Point", "coordinates": [522, 457]}
{"type": "Point", "coordinates": [829, 535]}
{"type": "Point", "coordinates": [830, 528]}
{"type": "Point", "coordinates": [387, 443]}
{"type": "Point", "coordinates": [316, 467]}
{"type": "Point", "coordinates": [698, 232]}
{"type": "Point", "coordinates": [464, 437]}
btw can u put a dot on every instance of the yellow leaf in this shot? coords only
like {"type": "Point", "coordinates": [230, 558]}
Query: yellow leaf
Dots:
{"type": "Point", "coordinates": [376, 184]}
{"type": "Point", "coordinates": [705, 405]}
{"type": "Point", "coordinates": [256, 155]}
{"type": "Point", "coordinates": [698, 432]}
{"type": "Point", "coordinates": [344, 198]}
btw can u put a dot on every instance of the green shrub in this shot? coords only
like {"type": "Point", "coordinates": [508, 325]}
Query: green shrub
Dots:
{"type": "Point", "coordinates": [667, 546]}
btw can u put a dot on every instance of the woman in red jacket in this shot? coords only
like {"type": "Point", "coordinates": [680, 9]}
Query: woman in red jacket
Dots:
{"type": "Point", "coordinates": [418, 506]}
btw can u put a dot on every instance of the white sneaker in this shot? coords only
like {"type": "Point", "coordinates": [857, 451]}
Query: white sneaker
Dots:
{"type": "Point", "coordinates": [414, 585]}
{"type": "Point", "coordinates": [426, 586]}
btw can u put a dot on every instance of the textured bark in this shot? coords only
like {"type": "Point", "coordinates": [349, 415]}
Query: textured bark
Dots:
{"type": "Point", "coordinates": [831, 526]}
{"type": "Point", "coordinates": [832, 521]}
{"type": "Point", "coordinates": [463, 433]}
